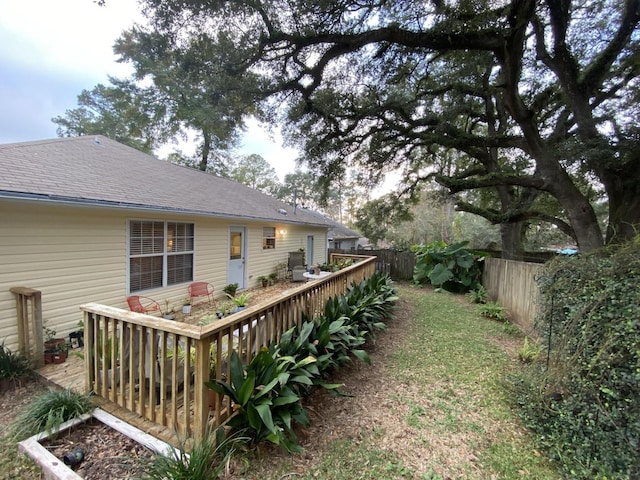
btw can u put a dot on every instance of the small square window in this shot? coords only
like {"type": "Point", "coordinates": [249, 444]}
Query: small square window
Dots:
{"type": "Point", "coordinates": [268, 237]}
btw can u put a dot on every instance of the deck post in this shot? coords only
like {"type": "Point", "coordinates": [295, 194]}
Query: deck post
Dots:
{"type": "Point", "coordinates": [200, 402]}
{"type": "Point", "coordinates": [28, 301]}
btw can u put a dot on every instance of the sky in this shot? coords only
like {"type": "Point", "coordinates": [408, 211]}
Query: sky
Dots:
{"type": "Point", "coordinates": [51, 50]}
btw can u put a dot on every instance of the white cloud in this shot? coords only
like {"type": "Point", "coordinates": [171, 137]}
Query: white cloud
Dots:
{"type": "Point", "coordinates": [75, 36]}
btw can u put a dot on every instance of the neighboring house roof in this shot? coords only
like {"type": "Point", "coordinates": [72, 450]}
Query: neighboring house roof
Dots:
{"type": "Point", "coordinates": [95, 170]}
{"type": "Point", "coordinates": [337, 231]}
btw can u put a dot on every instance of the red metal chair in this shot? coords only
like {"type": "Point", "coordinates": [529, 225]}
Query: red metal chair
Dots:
{"type": "Point", "coordinates": [143, 304]}
{"type": "Point", "coordinates": [201, 289]}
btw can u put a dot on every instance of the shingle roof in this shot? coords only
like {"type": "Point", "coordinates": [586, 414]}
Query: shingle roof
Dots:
{"type": "Point", "coordinates": [336, 230]}
{"type": "Point", "coordinates": [97, 170]}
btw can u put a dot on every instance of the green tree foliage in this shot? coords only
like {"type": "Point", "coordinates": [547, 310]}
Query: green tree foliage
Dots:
{"type": "Point", "coordinates": [121, 111]}
{"type": "Point", "coordinates": [376, 219]}
{"type": "Point", "coordinates": [254, 171]}
{"type": "Point", "coordinates": [199, 94]}
{"type": "Point", "coordinates": [585, 401]}
{"type": "Point", "coordinates": [530, 95]}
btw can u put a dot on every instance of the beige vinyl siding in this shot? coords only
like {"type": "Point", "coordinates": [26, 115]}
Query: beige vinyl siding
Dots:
{"type": "Point", "coordinates": [76, 255]}
{"type": "Point", "coordinates": [263, 261]}
{"type": "Point", "coordinates": [72, 255]}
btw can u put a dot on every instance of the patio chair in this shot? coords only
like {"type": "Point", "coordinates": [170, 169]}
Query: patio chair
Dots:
{"type": "Point", "coordinates": [143, 304]}
{"type": "Point", "coordinates": [201, 289]}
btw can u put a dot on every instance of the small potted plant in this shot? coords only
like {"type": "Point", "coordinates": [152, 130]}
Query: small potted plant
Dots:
{"type": "Point", "coordinates": [76, 339]}
{"type": "Point", "coordinates": [57, 353]}
{"type": "Point", "coordinates": [272, 277]}
{"type": "Point", "coordinates": [50, 339]}
{"type": "Point", "coordinates": [230, 289]}
{"type": "Point", "coordinates": [263, 280]}
{"type": "Point", "coordinates": [240, 301]}
{"type": "Point", "coordinates": [186, 306]}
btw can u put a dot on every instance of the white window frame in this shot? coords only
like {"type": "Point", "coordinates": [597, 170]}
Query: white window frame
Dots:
{"type": "Point", "coordinates": [167, 251]}
{"type": "Point", "coordinates": [268, 238]}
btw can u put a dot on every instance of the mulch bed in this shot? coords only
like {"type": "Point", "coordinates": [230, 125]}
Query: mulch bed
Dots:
{"type": "Point", "coordinates": [108, 454]}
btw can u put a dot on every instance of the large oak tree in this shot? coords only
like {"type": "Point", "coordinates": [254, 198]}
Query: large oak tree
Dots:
{"type": "Point", "coordinates": [534, 98]}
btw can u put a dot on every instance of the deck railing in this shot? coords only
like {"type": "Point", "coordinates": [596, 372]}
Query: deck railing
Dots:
{"type": "Point", "coordinates": [157, 368]}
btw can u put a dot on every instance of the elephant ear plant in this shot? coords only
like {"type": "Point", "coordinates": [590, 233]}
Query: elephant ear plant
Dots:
{"type": "Point", "coordinates": [450, 267]}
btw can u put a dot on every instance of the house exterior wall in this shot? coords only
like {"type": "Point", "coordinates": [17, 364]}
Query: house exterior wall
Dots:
{"type": "Point", "coordinates": [263, 262]}
{"type": "Point", "coordinates": [76, 255]}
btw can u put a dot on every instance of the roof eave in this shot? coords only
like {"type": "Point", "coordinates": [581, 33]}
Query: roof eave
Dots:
{"type": "Point", "coordinates": [110, 205]}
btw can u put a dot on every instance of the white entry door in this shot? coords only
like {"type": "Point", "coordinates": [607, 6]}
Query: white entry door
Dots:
{"type": "Point", "coordinates": [236, 263]}
{"type": "Point", "coordinates": [309, 250]}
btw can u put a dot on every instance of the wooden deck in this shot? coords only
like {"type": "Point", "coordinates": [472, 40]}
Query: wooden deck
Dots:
{"type": "Point", "coordinates": [70, 374]}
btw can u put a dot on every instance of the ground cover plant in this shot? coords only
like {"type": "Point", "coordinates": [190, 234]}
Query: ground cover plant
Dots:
{"type": "Point", "coordinates": [583, 400]}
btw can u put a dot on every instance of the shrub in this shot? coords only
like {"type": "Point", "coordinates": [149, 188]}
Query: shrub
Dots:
{"type": "Point", "coordinates": [264, 403]}
{"type": "Point", "coordinates": [478, 295]}
{"type": "Point", "coordinates": [450, 267]}
{"type": "Point", "coordinates": [493, 310]}
{"type": "Point", "coordinates": [585, 404]}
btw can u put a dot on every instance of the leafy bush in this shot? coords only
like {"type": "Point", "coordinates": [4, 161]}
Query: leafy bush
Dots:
{"type": "Point", "coordinates": [48, 411]}
{"type": "Point", "coordinates": [493, 310]}
{"type": "Point", "coordinates": [585, 404]}
{"type": "Point", "coordinates": [264, 402]}
{"type": "Point", "coordinates": [478, 295]}
{"type": "Point", "coordinates": [451, 267]}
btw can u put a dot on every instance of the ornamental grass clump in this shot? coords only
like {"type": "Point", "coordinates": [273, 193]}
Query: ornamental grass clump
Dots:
{"type": "Point", "coordinates": [48, 411]}
{"type": "Point", "coordinates": [205, 459]}
{"type": "Point", "coordinates": [13, 365]}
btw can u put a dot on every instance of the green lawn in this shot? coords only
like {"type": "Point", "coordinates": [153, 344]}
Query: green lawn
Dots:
{"type": "Point", "coordinates": [451, 413]}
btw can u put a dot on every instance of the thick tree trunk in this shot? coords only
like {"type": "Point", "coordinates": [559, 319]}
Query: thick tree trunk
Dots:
{"type": "Point", "coordinates": [511, 235]}
{"type": "Point", "coordinates": [623, 190]}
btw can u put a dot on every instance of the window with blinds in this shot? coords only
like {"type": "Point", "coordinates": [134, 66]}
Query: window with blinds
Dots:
{"type": "Point", "coordinates": [160, 254]}
{"type": "Point", "coordinates": [268, 237]}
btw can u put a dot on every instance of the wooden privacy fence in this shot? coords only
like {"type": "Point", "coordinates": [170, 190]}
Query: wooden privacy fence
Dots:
{"type": "Point", "coordinates": [157, 368]}
{"type": "Point", "coordinates": [513, 285]}
{"type": "Point", "coordinates": [398, 264]}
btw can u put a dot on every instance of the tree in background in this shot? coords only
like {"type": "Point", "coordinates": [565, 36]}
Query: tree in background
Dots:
{"type": "Point", "coordinates": [121, 111]}
{"type": "Point", "coordinates": [529, 94]}
{"type": "Point", "coordinates": [254, 171]}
